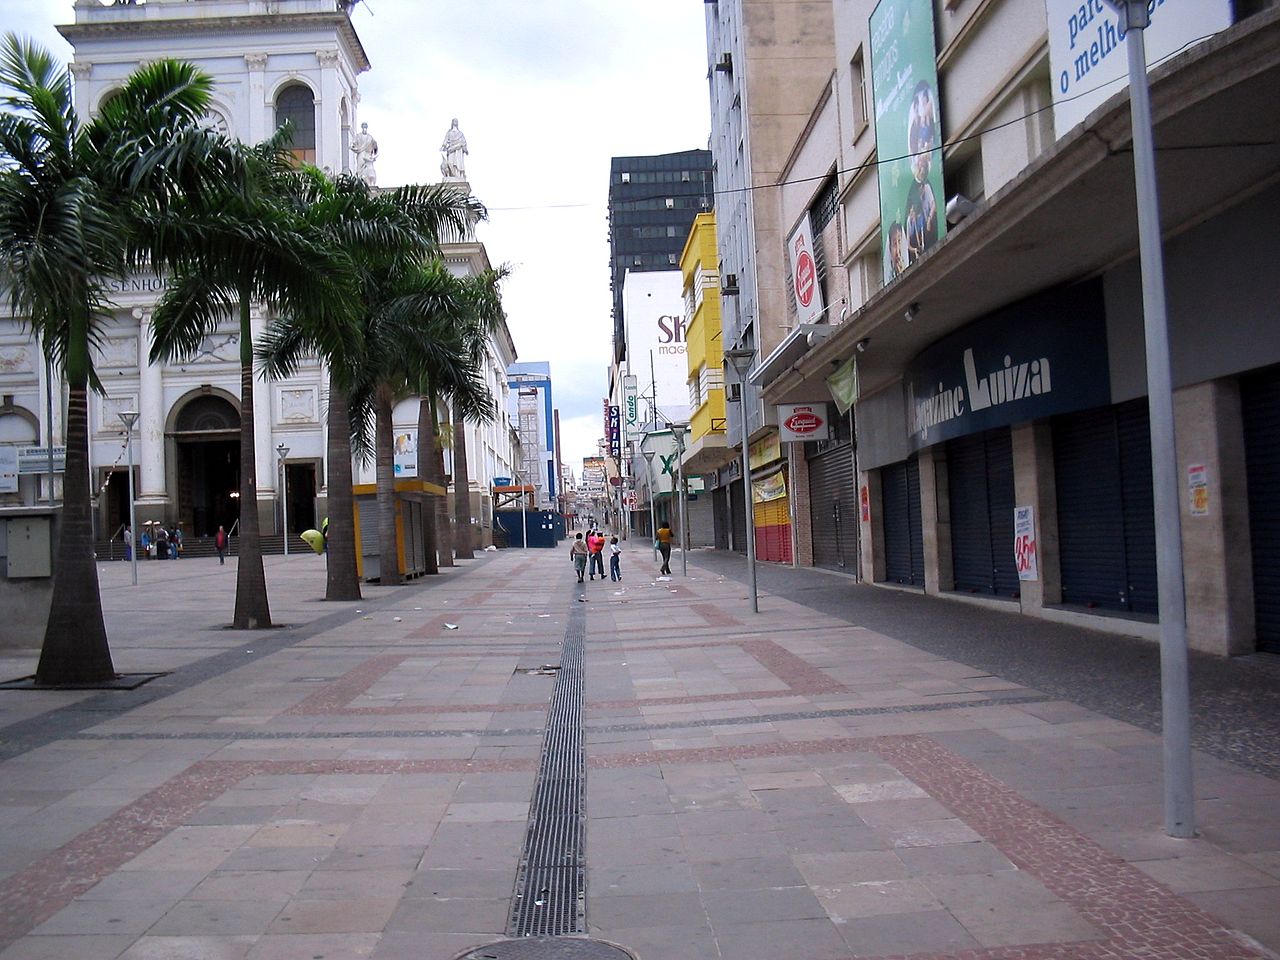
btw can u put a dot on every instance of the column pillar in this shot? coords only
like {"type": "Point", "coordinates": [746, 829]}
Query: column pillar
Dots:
{"type": "Point", "coordinates": [935, 520]}
{"type": "Point", "coordinates": [261, 115]}
{"type": "Point", "coordinates": [871, 530]}
{"type": "Point", "coordinates": [1034, 485]}
{"type": "Point", "coordinates": [151, 420]}
{"type": "Point", "coordinates": [328, 114]}
{"type": "Point", "coordinates": [264, 449]}
{"type": "Point", "coordinates": [1218, 565]}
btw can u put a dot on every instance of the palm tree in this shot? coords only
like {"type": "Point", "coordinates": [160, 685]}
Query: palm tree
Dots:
{"type": "Point", "coordinates": [244, 244]}
{"type": "Point", "coordinates": [481, 317]}
{"type": "Point", "coordinates": [383, 233]}
{"type": "Point", "coordinates": [71, 197]}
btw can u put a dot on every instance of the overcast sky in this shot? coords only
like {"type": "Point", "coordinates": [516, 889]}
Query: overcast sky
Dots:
{"type": "Point", "coordinates": [546, 92]}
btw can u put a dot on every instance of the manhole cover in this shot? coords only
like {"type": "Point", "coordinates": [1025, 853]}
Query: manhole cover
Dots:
{"type": "Point", "coordinates": [543, 948]}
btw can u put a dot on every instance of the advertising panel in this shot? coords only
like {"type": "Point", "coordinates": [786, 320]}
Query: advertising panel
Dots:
{"type": "Point", "coordinates": [1045, 355]}
{"type": "Point", "coordinates": [406, 455]}
{"type": "Point", "coordinates": [653, 310]}
{"type": "Point", "coordinates": [804, 273]}
{"type": "Point", "coordinates": [615, 432]}
{"type": "Point", "coordinates": [1087, 53]}
{"type": "Point", "coordinates": [772, 487]}
{"type": "Point", "coordinates": [36, 459]}
{"type": "Point", "coordinates": [1198, 489]}
{"type": "Point", "coordinates": [630, 407]}
{"type": "Point", "coordinates": [8, 469]}
{"type": "Point", "coordinates": [904, 78]}
{"type": "Point", "coordinates": [1024, 543]}
{"type": "Point", "coordinates": [764, 451]}
{"type": "Point", "coordinates": [798, 422]}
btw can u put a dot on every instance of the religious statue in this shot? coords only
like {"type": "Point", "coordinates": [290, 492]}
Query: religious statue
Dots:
{"type": "Point", "coordinates": [366, 150]}
{"type": "Point", "coordinates": [454, 148]}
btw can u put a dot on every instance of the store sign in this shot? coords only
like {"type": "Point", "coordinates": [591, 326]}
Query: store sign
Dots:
{"type": "Point", "coordinates": [1024, 543]}
{"type": "Point", "coordinates": [764, 451]}
{"type": "Point", "coordinates": [36, 459]}
{"type": "Point", "coordinates": [1198, 489]}
{"type": "Point", "coordinates": [804, 273]}
{"type": "Point", "coordinates": [772, 487]}
{"type": "Point", "coordinates": [8, 469]}
{"type": "Point", "coordinates": [631, 407]}
{"type": "Point", "coordinates": [615, 431]}
{"type": "Point", "coordinates": [798, 422]}
{"type": "Point", "coordinates": [904, 75]}
{"type": "Point", "coordinates": [1087, 53]}
{"type": "Point", "coordinates": [1040, 357]}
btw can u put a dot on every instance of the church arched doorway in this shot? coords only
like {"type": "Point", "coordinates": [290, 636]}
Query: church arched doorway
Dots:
{"type": "Point", "coordinates": [207, 440]}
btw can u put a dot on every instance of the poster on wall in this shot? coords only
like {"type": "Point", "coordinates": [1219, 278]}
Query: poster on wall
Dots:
{"type": "Point", "coordinates": [772, 487]}
{"type": "Point", "coordinates": [1024, 543]}
{"type": "Point", "coordinates": [8, 469]}
{"type": "Point", "coordinates": [1087, 53]}
{"type": "Point", "coordinates": [406, 455]}
{"type": "Point", "coordinates": [1198, 489]}
{"type": "Point", "coordinates": [804, 273]}
{"type": "Point", "coordinates": [904, 79]}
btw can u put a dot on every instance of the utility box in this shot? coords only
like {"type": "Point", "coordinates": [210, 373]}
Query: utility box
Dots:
{"type": "Point", "coordinates": [27, 538]}
{"type": "Point", "coordinates": [412, 499]}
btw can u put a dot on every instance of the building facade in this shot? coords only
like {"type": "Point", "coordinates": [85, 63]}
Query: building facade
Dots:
{"type": "Point", "coordinates": [652, 203]}
{"type": "Point", "coordinates": [989, 352]}
{"type": "Point", "coordinates": [532, 412]}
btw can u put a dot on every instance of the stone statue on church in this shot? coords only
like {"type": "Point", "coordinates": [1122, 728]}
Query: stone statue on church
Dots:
{"type": "Point", "coordinates": [366, 150]}
{"type": "Point", "coordinates": [453, 150]}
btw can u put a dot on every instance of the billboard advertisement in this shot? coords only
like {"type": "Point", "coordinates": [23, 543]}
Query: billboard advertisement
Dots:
{"type": "Point", "coordinates": [1087, 51]}
{"type": "Point", "coordinates": [405, 455]}
{"type": "Point", "coordinates": [804, 273]}
{"type": "Point", "coordinates": [904, 79]}
{"type": "Point", "coordinates": [653, 309]}
{"type": "Point", "coordinates": [630, 407]}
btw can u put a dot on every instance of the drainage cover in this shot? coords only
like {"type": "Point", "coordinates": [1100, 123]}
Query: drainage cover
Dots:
{"type": "Point", "coordinates": [547, 948]}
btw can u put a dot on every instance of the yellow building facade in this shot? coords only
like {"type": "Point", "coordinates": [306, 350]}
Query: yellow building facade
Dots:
{"type": "Point", "coordinates": [699, 265]}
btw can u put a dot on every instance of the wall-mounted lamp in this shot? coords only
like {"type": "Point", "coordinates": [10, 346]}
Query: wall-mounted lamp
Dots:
{"type": "Point", "coordinates": [912, 311]}
{"type": "Point", "coordinates": [959, 207]}
{"type": "Point", "coordinates": [861, 345]}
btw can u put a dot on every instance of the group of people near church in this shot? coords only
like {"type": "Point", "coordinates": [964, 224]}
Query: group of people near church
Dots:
{"type": "Point", "coordinates": [156, 543]}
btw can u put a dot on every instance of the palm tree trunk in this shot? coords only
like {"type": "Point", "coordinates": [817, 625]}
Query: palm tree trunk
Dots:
{"type": "Point", "coordinates": [444, 528]}
{"type": "Point", "coordinates": [463, 540]}
{"type": "Point", "coordinates": [426, 472]}
{"type": "Point", "coordinates": [384, 444]}
{"type": "Point", "coordinates": [253, 611]}
{"type": "Point", "coordinates": [75, 646]}
{"type": "Point", "coordinates": [342, 580]}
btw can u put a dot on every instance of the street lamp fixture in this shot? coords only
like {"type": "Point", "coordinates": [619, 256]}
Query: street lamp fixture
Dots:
{"type": "Point", "coordinates": [1179, 798]}
{"type": "Point", "coordinates": [281, 452]}
{"type": "Point", "coordinates": [129, 418]}
{"type": "Point", "coordinates": [741, 359]}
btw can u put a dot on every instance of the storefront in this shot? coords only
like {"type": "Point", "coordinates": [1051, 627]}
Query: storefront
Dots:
{"type": "Point", "coordinates": [1260, 415]}
{"type": "Point", "coordinates": [981, 499]}
{"type": "Point", "coordinates": [833, 507]}
{"type": "Point", "coordinates": [770, 500]}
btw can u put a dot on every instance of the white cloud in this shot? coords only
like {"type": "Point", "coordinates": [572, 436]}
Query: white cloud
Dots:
{"type": "Point", "coordinates": [546, 93]}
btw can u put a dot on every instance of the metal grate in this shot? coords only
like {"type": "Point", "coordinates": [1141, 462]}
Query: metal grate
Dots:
{"type": "Point", "coordinates": [550, 892]}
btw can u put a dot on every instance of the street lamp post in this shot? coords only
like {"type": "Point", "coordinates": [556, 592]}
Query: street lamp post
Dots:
{"type": "Point", "coordinates": [1179, 801]}
{"type": "Point", "coordinates": [129, 418]}
{"type": "Point", "coordinates": [282, 451]}
{"type": "Point", "coordinates": [648, 479]}
{"type": "Point", "coordinates": [740, 358]}
{"type": "Point", "coordinates": [677, 434]}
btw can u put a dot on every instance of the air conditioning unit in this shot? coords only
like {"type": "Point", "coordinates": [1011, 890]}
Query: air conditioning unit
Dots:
{"type": "Point", "coordinates": [725, 63]}
{"type": "Point", "coordinates": [733, 392]}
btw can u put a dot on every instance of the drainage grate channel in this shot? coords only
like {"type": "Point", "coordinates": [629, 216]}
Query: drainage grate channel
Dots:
{"type": "Point", "coordinates": [549, 896]}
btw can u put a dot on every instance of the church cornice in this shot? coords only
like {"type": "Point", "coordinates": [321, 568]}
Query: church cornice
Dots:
{"type": "Point", "coordinates": [274, 23]}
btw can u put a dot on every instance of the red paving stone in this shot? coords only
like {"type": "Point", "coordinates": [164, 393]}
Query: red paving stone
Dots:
{"type": "Point", "coordinates": [1139, 917]}
{"type": "Point", "coordinates": [714, 615]}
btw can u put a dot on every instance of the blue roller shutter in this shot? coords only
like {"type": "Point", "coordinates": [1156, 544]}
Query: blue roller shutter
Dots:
{"type": "Point", "coordinates": [903, 537]}
{"type": "Point", "coordinates": [980, 492]}
{"type": "Point", "coordinates": [1260, 410]}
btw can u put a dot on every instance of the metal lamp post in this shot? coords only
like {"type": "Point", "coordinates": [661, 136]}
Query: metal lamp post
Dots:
{"type": "Point", "coordinates": [282, 451]}
{"type": "Point", "coordinates": [741, 358]}
{"type": "Point", "coordinates": [648, 479]}
{"type": "Point", "coordinates": [1179, 802]}
{"type": "Point", "coordinates": [129, 418]}
{"type": "Point", "coordinates": [677, 434]}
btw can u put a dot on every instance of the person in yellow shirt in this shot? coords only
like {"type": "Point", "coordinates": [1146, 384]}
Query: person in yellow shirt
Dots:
{"type": "Point", "coordinates": [664, 546]}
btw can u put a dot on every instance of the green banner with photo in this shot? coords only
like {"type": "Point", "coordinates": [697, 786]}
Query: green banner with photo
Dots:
{"type": "Point", "coordinates": [904, 84]}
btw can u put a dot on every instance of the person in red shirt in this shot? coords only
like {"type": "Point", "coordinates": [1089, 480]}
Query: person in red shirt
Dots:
{"type": "Point", "coordinates": [595, 544]}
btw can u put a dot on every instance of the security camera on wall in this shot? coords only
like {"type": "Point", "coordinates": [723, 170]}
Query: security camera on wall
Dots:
{"type": "Point", "coordinates": [959, 207]}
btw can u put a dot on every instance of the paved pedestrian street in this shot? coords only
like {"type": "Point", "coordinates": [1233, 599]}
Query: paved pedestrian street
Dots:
{"type": "Point", "coordinates": [371, 780]}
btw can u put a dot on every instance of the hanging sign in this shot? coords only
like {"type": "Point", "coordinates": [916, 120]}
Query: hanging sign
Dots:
{"type": "Point", "coordinates": [631, 407]}
{"type": "Point", "coordinates": [772, 487]}
{"type": "Point", "coordinates": [1024, 543]}
{"type": "Point", "coordinates": [843, 385]}
{"type": "Point", "coordinates": [764, 451]}
{"type": "Point", "coordinates": [804, 273]}
{"type": "Point", "coordinates": [798, 422]}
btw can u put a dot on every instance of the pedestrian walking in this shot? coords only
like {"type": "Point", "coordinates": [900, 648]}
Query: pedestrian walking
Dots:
{"type": "Point", "coordinates": [175, 542]}
{"type": "Point", "coordinates": [128, 544]}
{"type": "Point", "coordinates": [220, 544]}
{"type": "Point", "coordinates": [578, 554]}
{"type": "Point", "coordinates": [162, 543]}
{"type": "Point", "coordinates": [595, 544]}
{"type": "Point", "coordinates": [664, 547]}
{"type": "Point", "coordinates": [615, 560]}
{"type": "Point", "coordinates": [148, 548]}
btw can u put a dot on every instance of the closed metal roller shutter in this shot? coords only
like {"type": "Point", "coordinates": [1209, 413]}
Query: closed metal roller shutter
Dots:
{"type": "Point", "coordinates": [720, 516]}
{"type": "Point", "coordinates": [903, 538]}
{"type": "Point", "coordinates": [773, 530]}
{"type": "Point", "coordinates": [980, 491]}
{"type": "Point", "coordinates": [738, 514]}
{"type": "Point", "coordinates": [1106, 517]}
{"type": "Point", "coordinates": [833, 509]}
{"type": "Point", "coordinates": [1260, 409]}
